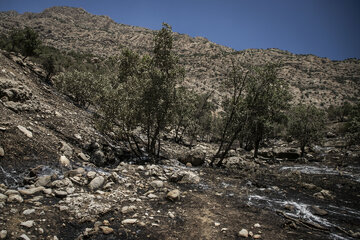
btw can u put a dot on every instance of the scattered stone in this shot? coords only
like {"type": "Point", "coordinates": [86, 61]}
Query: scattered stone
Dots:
{"type": "Point", "coordinates": [64, 161]}
{"type": "Point", "coordinates": [25, 131]}
{"type": "Point", "coordinates": [141, 168]}
{"type": "Point", "coordinates": [188, 164]}
{"type": "Point", "coordinates": [47, 191]}
{"type": "Point", "coordinates": [152, 196]}
{"type": "Point", "coordinates": [157, 184]}
{"type": "Point", "coordinates": [91, 175]}
{"type": "Point", "coordinates": [190, 177]}
{"type": "Point", "coordinates": [318, 211]}
{"type": "Point", "coordinates": [257, 236]}
{"type": "Point", "coordinates": [96, 183]}
{"type": "Point", "coordinates": [3, 234]}
{"type": "Point", "coordinates": [309, 186]}
{"type": "Point", "coordinates": [3, 197]}
{"type": "Point", "coordinates": [43, 181]}
{"type": "Point", "coordinates": [11, 192]}
{"type": "Point", "coordinates": [15, 198]}
{"type": "Point", "coordinates": [173, 195]}
{"type": "Point", "coordinates": [83, 157]}
{"type": "Point", "coordinates": [217, 224]}
{"type": "Point", "coordinates": [24, 237]}
{"type": "Point", "coordinates": [251, 233]}
{"type": "Point", "coordinates": [28, 211]}
{"type": "Point", "coordinates": [63, 208]}
{"type": "Point", "coordinates": [31, 191]}
{"type": "Point", "coordinates": [106, 229]}
{"type": "Point", "coordinates": [324, 194]}
{"type": "Point", "coordinates": [127, 209]}
{"type": "Point", "coordinates": [171, 215]}
{"type": "Point", "coordinates": [257, 225]}
{"type": "Point", "coordinates": [2, 152]}
{"type": "Point", "coordinates": [27, 224]}
{"type": "Point", "coordinates": [224, 229]}
{"type": "Point", "coordinates": [60, 193]}
{"type": "Point", "coordinates": [244, 233]}
{"type": "Point", "coordinates": [129, 221]}
{"type": "Point", "coordinates": [66, 149]}
{"type": "Point", "coordinates": [108, 185]}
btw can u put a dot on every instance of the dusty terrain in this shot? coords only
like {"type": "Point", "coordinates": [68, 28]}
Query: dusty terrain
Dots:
{"type": "Point", "coordinates": [51, 188]}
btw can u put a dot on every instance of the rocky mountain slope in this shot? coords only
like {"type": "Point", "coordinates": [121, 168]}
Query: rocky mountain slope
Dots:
{"type": "Point", "coordinates": [312, 79]}
{"type": "Point", "coordinates": [51, 189]}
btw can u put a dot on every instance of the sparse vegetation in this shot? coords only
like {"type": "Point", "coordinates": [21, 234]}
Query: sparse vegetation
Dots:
{"type": "Point", "coordinates": [306, 123]}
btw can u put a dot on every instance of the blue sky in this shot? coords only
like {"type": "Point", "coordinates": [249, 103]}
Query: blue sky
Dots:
{"type": "Point", "coordinates": [326, 28]}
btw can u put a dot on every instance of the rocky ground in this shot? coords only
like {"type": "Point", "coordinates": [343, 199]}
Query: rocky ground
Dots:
{"type": "Point", "coordinates": [51, 187]}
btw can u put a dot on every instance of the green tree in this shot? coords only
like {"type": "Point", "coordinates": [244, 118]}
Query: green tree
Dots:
{"type": "Point", "coordinates": [258, 100]}
{"type": "Point", "coordinates": [26, 41]}
{"type": "Point", "coordinates": [82, 87]}
{"type": "Point", "coordinates": [306, 123]}
{"type": "Point", "coordinates": [50, 66]}
{"type": "Point", "coordinates": [159, 96]}
{"type": "Point", "coordinates": [266, 99]}
{"type": "Point", "coordinates": [144, 95]}
{"type": "Point", "coordinates": [352, 127]}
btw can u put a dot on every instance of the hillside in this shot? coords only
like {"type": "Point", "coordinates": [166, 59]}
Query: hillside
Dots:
{"type": "Point", "coordinates": [312, 79]}
{"type": "Point", "coordinates": [61, 178]}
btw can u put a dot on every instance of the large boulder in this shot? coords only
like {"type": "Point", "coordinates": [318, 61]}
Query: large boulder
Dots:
{"type": "Point", "coordinates": [195, 157]}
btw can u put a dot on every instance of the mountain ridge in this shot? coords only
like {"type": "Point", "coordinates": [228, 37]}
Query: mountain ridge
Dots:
{"type": "Point", "coordinates": [312, 79]}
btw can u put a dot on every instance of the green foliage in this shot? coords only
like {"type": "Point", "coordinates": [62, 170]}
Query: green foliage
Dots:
{"type": "Point", "coordinates": [306, 123]}
{"type": "Point", "coordinates": [267, 96]}
{"type": "Point", "coordinates": [339, 113]}
{"type": "Point", "coordinates": [144, 94]}
{"type": "Point", "coordinates": [25, 41]}
{"type": "Point", "coordinates": [82, 87]}
{"type": "Point", "coordinates": [352, 127]}
{"type": "Point", "coordinates": [257, 101]}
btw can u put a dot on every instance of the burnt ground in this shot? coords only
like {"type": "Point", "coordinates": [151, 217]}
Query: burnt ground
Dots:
{"type": "Point", "coordinates": [224, 201]}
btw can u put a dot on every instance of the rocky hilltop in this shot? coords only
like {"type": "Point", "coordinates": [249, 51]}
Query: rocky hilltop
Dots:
{"type": "Point", "coordinates": [312, 79]}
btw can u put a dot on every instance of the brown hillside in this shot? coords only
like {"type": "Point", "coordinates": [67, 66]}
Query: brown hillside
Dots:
{"type": "Point", "coordinates": [312, 79]}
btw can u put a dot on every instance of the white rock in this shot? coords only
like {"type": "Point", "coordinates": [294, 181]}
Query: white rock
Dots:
{"type": "Point", "coordinates": [15, 198]}
{"type": "Point", "coordinates": [2, 152]}
{"type": "Point", "coordinates": [64, 161]}
{"type": "Point", "coordinates": [24, 237]}
{"type": "Point", "coordinates": [31, 191]}
{"type": "Point", "coordinates": [25, 131]}
{"type": "Point", "coordinates": [127, 209]}
{"type": "Point", "coordinates": [173, 195]}
{"type": "Point", "coordinates": [91, 175]}
{"type": "Point", "coordinates": [257, 236]}
{"type": "Point", "coordinates": [257, 225]}
{"type": "Point", "coordinates": [83, 157]}
{"type": "Point", "coordinates": [96, 182]}
{"type": "Point", "coordinates": [157, 184]}
{"type": "Point", "coordinates": [217, 224]}
{"type": "Point", "coordinates": [129, 221]}
{"type": "Point", "coordinates": [28, 211]}
{"type": "Point", "coordinates": [28, 224]}
{"type": "Point", "coordinates": [151, 195]}
{"type": "Point", "coordinates": [244, 233]}
{"type": "Point", "coordinates": [43, 181]}
{"type": "Point", "coordinates": [3, 197]}
{"type": "Point", "coordinates": [11, 192]}
{"type": "Point", "coordinates": [66, 149]}
{"type": "Point", "coordinates": [3, 234]}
